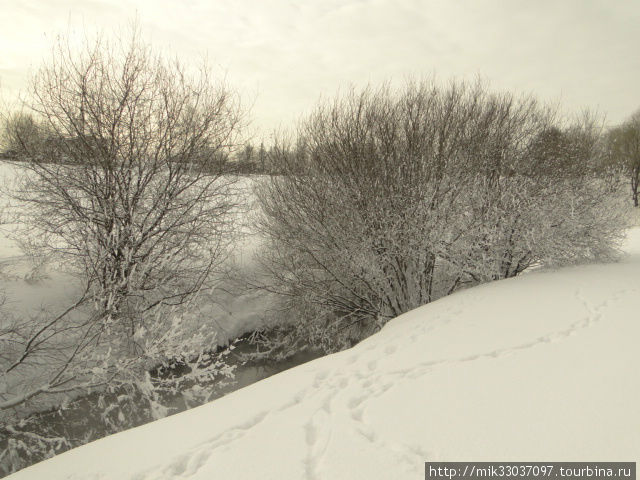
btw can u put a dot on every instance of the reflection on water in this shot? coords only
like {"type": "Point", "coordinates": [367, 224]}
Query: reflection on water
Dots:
{"type": "Point", "coordinates": [251, 372]}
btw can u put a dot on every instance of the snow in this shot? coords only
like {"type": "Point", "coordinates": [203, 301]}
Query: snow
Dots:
{"type": "Point", "coordinates": [537, 368]}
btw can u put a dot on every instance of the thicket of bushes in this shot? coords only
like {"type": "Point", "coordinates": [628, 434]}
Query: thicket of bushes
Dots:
{"type": "Point", "coordinates": [398, 197]}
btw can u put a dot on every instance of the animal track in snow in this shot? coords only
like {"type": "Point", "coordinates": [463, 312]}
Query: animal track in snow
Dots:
{"type": "Point", "coordinates": [317, 436]}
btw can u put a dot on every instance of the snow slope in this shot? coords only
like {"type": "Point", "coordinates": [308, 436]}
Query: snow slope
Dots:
{"type": "Point", "coordinates": [538, 368]}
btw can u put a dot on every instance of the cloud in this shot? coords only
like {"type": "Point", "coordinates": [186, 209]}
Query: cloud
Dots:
{"type": "Point", "coordinates": [290, 52]}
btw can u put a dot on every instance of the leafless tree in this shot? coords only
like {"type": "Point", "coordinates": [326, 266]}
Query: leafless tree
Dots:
{"type": "Point", "coordinates": [19, 133]}
{"type": "Point", "coordinates": [401, 197]}
{"type": "Point", "coordinates": [123, 187]}
{"type": "Point", "coordinates": [624, 149]}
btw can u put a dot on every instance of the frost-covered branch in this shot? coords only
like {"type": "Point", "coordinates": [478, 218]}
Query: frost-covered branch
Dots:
{"type": "Point", "coordinates": [389, 199]}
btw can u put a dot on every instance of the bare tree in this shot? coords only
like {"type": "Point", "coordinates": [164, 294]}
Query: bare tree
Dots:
{"type": "Point", "coordinates": [624, 144]}
{"type": "Point", "coordinates": [124, 189]}
{"type": "Point", "coordinates": [398, 198]}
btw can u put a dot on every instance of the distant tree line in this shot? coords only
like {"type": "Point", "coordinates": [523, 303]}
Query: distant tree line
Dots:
{"type": "Point", "coordinates": [24, 137]}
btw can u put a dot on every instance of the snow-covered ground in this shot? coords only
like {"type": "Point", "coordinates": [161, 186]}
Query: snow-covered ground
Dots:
{"type": "Point", "coordinates": [538, 368]}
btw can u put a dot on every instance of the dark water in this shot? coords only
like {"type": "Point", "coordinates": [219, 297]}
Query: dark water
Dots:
{"type": "Point", "coordinates": [87, 418]}
{"type": "Point", "coordinates": [250, 372]}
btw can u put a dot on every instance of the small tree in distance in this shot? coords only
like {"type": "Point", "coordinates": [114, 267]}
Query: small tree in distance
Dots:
{"type": "Point", "coordinates": [624, 148]}
{"type": "Point", "coordinates": [398, 197]}
{"type": "Point", "coordinates": [20, 133]}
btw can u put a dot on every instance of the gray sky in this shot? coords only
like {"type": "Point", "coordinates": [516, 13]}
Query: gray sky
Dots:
{"type": "Point", "coordinates": [284, 54]}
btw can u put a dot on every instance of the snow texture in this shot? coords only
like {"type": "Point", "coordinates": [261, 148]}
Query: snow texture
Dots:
{"type": "Point", "coordinates": [537, 368]}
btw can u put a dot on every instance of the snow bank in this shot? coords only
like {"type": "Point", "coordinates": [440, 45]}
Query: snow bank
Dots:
{"type": "Point", "coordinates": [538, 368]}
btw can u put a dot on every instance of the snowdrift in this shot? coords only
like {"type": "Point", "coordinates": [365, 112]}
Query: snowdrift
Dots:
{"type": "Point", "coordinates": [538, 368]}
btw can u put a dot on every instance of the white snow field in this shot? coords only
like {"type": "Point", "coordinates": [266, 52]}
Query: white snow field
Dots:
{"type": "Point", "coordinates": [538, 368]}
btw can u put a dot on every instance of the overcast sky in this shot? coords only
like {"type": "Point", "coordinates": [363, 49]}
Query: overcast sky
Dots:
{"type": "Point", "coordinates": [284, 54]}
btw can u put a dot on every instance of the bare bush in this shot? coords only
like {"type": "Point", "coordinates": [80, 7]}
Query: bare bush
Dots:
{"type": "Point", "coordinates": [394, 199]}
